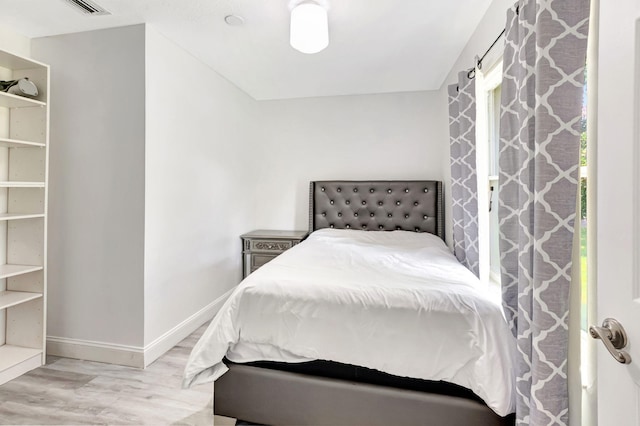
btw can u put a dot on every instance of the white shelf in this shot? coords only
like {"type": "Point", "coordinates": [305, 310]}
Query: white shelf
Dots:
{"type": "Point", "coordinates": [9, 184]}
{"type": "Point", "coordinates": [15, 62]}
{"type": "Point", "coordinates": [15, 143]}
{"type": "Point", "coordinates": [12, 355]}
{"type": "Point", "coordinates": [13, 298]}
{"type": "Point", "coordinates": [23, 243]}
{"type": "Point", "coordinates": [15, 216]}
{"type": "Point", "coordinates": [7, 271]}
{"type": "Point", "coordinates": [9, 100]}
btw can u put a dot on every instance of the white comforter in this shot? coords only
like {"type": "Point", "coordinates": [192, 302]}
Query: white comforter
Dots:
{"type": "Point", "coordinates": [398, 302]}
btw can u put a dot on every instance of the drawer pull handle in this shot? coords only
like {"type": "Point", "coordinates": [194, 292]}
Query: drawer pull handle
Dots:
{"type": "Point", "coordinates": [271, 246]}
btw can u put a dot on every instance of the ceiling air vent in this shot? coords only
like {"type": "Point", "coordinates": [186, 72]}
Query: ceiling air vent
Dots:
{"type": "Point", "coordinates": [88, 7]}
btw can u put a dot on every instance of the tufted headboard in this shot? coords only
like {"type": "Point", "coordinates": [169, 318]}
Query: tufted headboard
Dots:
{"type": "Point", "coordinates": [377, 206]}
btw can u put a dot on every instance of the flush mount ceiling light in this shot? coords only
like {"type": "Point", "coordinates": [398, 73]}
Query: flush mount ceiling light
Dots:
{"type": "Point", "coordinates": [309, 27]}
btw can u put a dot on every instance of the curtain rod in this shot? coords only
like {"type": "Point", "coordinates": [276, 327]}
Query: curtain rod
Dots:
{"type": "Point", "coordinates": [472, 72]}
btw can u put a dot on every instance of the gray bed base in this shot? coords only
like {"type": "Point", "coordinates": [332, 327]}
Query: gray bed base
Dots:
{"type": "Point", "coordinates": [275, 397]}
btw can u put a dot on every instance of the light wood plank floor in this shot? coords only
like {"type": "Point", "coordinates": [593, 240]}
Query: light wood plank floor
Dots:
{"type": "Point", "coordinates": [73, 392]}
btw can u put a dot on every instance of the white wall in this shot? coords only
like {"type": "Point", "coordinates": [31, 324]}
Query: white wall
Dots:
{"type": "Point", "coordinates": [15, 43]}
{"type": "Point", "coordinates": [386, 136]}
{"type": "Point", "coordinates": [200, 184]}
{"type": "Point", "coordinates": [491, 25]}
{"type": "Point", "coordinates": [96, 192]}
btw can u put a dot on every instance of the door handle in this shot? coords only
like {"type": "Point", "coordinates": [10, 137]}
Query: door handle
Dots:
{"type": "Point", "coordinates": [614, 338]}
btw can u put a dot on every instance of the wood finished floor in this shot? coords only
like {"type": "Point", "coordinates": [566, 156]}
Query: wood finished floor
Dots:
{"type": "Point", "coordinates": [73, 392]}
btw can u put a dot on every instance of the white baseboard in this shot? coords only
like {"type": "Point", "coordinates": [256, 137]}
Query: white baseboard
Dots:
{"type": "Point", "coordinates": [133, 356]}
{"type": "Point", "coordinates": [168, 340]}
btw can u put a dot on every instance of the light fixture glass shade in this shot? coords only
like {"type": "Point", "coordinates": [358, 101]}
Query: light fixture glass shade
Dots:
{"type": "Point", "coordinates": [309, 28]}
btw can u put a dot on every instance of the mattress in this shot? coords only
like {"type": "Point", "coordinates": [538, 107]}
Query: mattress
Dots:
{"type": "Point", "coordinates": [397, 302]}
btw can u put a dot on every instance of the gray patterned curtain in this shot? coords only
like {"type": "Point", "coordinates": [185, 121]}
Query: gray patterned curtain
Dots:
{"type": "Point", "coordinates": [544, 60]}
{"type": "Point", "coordinates": [464, 187]}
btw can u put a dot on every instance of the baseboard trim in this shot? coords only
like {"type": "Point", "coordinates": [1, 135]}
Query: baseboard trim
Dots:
{"type": "Point", "coordinates": [133, 356]}
{"type": "Point", "coordinates": [168, 340]}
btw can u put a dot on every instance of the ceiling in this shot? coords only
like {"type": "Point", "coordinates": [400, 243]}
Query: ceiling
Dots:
{"type": "Point", "coordinates": [376, 46]}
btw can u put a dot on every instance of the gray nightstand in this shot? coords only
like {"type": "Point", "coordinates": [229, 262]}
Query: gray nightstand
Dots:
{"type": "Point", "coordinates": [259, 247]}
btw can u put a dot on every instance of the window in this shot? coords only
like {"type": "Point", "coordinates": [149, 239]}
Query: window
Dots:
{"type": "Point", "coordinates": [494, 144]}
{"type": "Point", "coordinates": [488, 92]}
{"type": "Point", "coordinates": [583, 210]}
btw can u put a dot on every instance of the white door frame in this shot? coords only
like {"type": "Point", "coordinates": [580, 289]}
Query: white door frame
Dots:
{"type": "Point", "coordinates": [617, 212]}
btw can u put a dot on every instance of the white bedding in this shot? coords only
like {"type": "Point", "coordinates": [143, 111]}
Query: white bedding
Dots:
{"type": "Point", "coordinates": [398, 302]}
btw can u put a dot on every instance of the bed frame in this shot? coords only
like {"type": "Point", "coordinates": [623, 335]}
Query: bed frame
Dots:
{"type": "Point", "coordinates": [275, 397]}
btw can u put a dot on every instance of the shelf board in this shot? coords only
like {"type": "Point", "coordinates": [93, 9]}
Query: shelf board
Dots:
{"type": "Point", "coordinates": [13, 298]}
{"type": "Point", "coordinates": [12, 184]}
{"type": "Point", "coordinates": [10, 270]}
{"type": "Point", "coordinates": [16, 62]}
{"type": "Point", "coordinates": [15, 216]}
{"type": "Point", "coordinates": [11, 355]}
{"type": "Point", "coordinates": [13, 101]}
{"type": "Point", "coordinates": [15, 143]}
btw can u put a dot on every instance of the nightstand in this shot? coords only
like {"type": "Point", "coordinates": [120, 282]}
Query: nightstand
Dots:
{"type": "Point", "coordinates": [259, 247]}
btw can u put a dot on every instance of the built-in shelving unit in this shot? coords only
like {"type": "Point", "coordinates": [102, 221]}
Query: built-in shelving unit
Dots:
{"type": "Point", "coordinates": [24, 157]}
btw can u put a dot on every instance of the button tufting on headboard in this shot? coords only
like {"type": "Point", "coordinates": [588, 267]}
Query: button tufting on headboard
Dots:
{"type": "Point", "coordinates": [403, 205]}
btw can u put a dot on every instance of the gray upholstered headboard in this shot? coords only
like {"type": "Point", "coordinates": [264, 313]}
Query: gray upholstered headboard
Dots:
{"type": "Point", "coordinates": [377, 206]}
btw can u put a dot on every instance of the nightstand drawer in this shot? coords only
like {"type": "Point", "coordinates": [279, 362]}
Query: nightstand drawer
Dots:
{"type": "Point", "coordinates": [270, 245]}
{"type": "Point", "coordinates": [257, 260]}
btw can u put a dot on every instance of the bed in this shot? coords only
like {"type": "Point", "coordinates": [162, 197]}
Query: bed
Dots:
{"type": "Point", "coordinates": [353, 326]}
